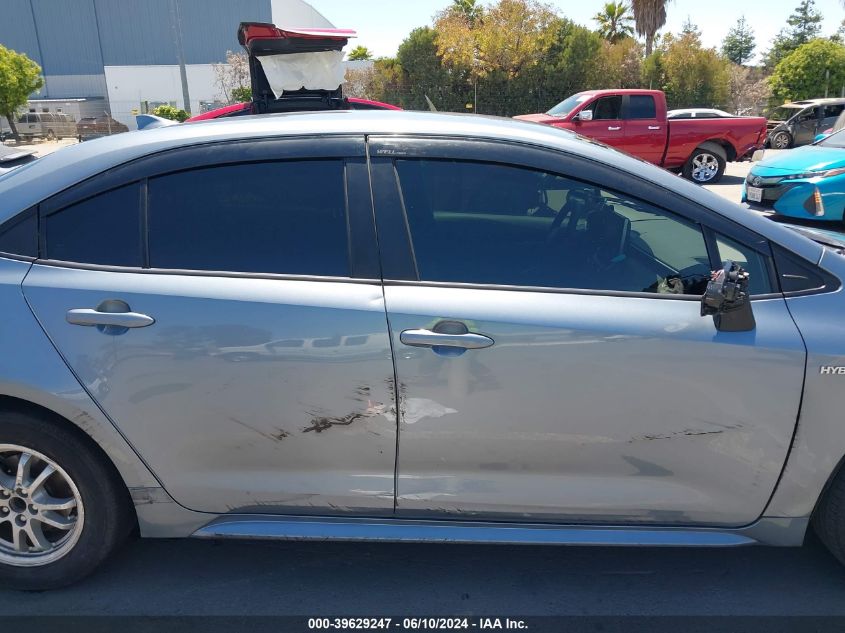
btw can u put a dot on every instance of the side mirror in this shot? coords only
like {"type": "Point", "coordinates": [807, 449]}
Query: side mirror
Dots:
{"type": "Point", "coordinates": [727, 299]}
{"type": "Point", "coordinates": [819, 137]}
{"type": "Point", "coordinates": [585, 115]}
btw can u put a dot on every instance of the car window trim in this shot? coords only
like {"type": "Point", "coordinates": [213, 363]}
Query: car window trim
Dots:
{"type": "Point", "coordinates": [207, 154]}
{"type": "Point", "coordinates": [446, 148]}
{"type": "Point", "coordinates": [361, 240]}
{"type": "Point", "coordinates": [57, 263]}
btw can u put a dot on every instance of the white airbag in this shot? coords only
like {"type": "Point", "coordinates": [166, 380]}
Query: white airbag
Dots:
{"type": "Point", "coordinates": [313, 71]}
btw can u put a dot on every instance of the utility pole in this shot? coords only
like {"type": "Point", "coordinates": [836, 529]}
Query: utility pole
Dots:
{"type": "Point", "coordinates": [176, 23]}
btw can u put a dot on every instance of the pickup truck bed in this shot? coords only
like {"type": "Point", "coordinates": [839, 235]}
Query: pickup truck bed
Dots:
{"type": "Point", "coordinates": [635, 122]}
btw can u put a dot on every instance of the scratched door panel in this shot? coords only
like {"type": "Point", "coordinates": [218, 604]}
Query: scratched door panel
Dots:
{"type": "Point", "coordinates": [246, 395]}
{"type": "Point", "coordinates": [592, 408]}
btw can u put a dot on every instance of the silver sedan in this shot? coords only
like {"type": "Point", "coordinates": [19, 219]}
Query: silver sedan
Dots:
{"type": "Point", "coordinates": [406, 327]}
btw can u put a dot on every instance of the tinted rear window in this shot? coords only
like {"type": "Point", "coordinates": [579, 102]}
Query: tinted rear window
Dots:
{"type": "Point", "coordinates": [641, 107]}
{"type": "Point", "coordinates": [104, 230]}
{"type": "Point", "coordinates": [281, 217]}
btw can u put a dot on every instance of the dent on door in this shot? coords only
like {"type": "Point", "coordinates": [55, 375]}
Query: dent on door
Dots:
{"type": "Point", "coordinates": [247, 395]}
{"type": "Point", "coordinates": [592, 408]}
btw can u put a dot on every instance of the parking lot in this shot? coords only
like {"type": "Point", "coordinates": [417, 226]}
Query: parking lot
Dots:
{"type": "Point", "coordinates": [263, 578]}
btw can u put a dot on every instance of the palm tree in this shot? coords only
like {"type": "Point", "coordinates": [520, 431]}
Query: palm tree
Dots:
{"type": "Point", "coordinates": [614, 21]}
{"type": "Point", "coordinates": [649, 17]}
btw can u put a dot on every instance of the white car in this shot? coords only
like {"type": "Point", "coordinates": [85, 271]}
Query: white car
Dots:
{"type": "Point", "coordinates": [698, 113]}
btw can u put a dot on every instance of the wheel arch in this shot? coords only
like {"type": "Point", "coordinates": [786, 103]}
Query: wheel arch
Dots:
{"type": "Point", "coordinates": [91, 425]}
{"type": "Point", "coordinates": [720, 146]}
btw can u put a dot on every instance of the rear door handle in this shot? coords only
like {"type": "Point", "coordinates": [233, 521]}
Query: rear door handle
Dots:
{"type": "Point", "coordinates": [653, 127]}
{"type": "Point", "coordinates": [427, 338]}
{"type": "Point", "coordinates": [86, 316]}
{"type": "Point", "coordinates": [613, 128]}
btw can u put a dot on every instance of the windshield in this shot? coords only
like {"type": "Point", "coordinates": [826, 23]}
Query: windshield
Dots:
{"type": "Point", "coordinates": [837, 139]}
{"type": "Point", "coordinates": [783, 113]}
{"type": "Point", "coordinates": [569, 104]}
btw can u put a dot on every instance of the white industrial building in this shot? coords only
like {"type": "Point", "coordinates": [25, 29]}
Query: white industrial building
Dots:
{"type": "Point", "coordinates": [124, 56]}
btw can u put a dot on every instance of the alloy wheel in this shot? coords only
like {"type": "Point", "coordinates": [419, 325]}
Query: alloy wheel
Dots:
{"type": "Point", "coordinates": [41, 511]}
{"type": "Point", "coordinates": [704, 167]}
{"type": "Point", "coordinates": [780, 141]}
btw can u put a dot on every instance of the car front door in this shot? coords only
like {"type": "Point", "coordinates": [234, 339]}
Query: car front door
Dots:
{"type": "Point", "coordinates": [606, 124]}
{"type": "Point", "coordinates": [805, 126]}
{"type": "Point", "coordinates": [222, 305]}
{"type": "Point", "coordinates": [551, 359]}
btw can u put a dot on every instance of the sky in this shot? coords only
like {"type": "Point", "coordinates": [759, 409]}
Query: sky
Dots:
{"type": "Point", "coordinates": [383, 24]}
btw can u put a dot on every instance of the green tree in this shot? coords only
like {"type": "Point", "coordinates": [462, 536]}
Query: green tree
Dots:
{"type": "Point", "coordinates": [614, 21]}
{"type": "Point", "coordinates": [512, 36]}
{"type": "Point", "coordinates": [690, 28]}
{"type": "Point", "coordinates": [19, 78]}
{"type": "Point", "coordinates": [360, 53]}
{"type": "Point", "coordinates": [649, 18]}
{"type": "Point", "coordinates": [619, 65]}
{"type": "Point", "coordinates": [173, 113]}
{"type": "Point", "coordinates": [653, 72]}
{"type": "Point", "coordinates": [805, 22]}
{"type": "Point", "coordinates": [739, 43]}
{"type": "Point", "coordinates": [425, 75]}
{"type": "Point", "coordinates": [804, 25]}
{"type": "Point", "coordinates": [808, 71]}
{"type": "Point", "coordinates": [568, 66]}
{"type": "Point", "coordinates": [468, 9]}
{"type": "Point", "coordinates": [692, 76]}
{"type": "Point", "coordinates": [241, 94]}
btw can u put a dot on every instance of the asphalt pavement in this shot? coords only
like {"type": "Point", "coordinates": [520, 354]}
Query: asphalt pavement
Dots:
{"type": "Point", "coordinates": [170, 577]}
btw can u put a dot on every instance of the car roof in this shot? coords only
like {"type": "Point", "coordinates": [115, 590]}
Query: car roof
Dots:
{"type": "Point", "coordinates": [59, 170]}
{"type": "Point", "coordinates": [808, 102]}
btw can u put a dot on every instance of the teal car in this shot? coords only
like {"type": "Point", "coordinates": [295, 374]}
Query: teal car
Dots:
{"type": "Point", "coordinates": [806, 183]}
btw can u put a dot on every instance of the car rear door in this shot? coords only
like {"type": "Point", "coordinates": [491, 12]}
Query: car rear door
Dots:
{"type": "Point", "coordinates": [806, 124]}
{"type": "Point", "coordinates": [645, 134]}
{"type": "Point", "coordinates": [551, 359]}
{"type": "Point", "coordinates": [222, 305]}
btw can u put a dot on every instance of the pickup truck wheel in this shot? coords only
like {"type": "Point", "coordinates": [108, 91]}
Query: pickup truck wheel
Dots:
{"type": "Point", "coordinates": [781, 140]}
{"type": "Point", "coordinates": [705, 166]}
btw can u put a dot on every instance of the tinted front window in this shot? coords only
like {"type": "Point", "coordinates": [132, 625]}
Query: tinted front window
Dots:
{"type": "Point", "coordinates": [105, 229]}
{"type": "Point", "coordinates": [568, 105]}
{"type": "Point", "coordinates": [283, 217]}
{"type": "Point", "coordinates": [641, 107]}
{"type": "Point", "coordinates": [496, 224]}
{"type": "Point", "coordinates": [607, 108]}
{"type": "Point", "coordinates": [752, 261]}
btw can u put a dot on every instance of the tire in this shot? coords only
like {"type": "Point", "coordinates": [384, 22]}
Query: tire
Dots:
{"type": "Point", "coordinates": [781, 140]}
{"type": "Point", "coordinates": [95, 514]}
{"type": "Point", "coordinates": [829, 517]}
{"type": "Point", "coordinates": [705, 166]}
{"type": "Point", "coordinates": [51, 135]}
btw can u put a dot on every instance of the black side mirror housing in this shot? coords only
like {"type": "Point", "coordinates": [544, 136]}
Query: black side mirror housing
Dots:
{"type": "Point", "coordinates": [727, 299]}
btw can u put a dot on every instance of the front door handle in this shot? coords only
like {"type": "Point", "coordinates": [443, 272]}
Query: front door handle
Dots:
{"type": "Point", "coordinates": [614, 128]}
{"type": "Point", "coordinates": [86, 316]}
{"type": "Point", "coordinates": [653, 127]}
{"type": "Point", "coordinates": [427, 338]}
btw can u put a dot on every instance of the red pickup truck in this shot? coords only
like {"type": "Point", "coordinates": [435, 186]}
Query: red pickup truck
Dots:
{"type": "Point", "coordinates": [635, 122]}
